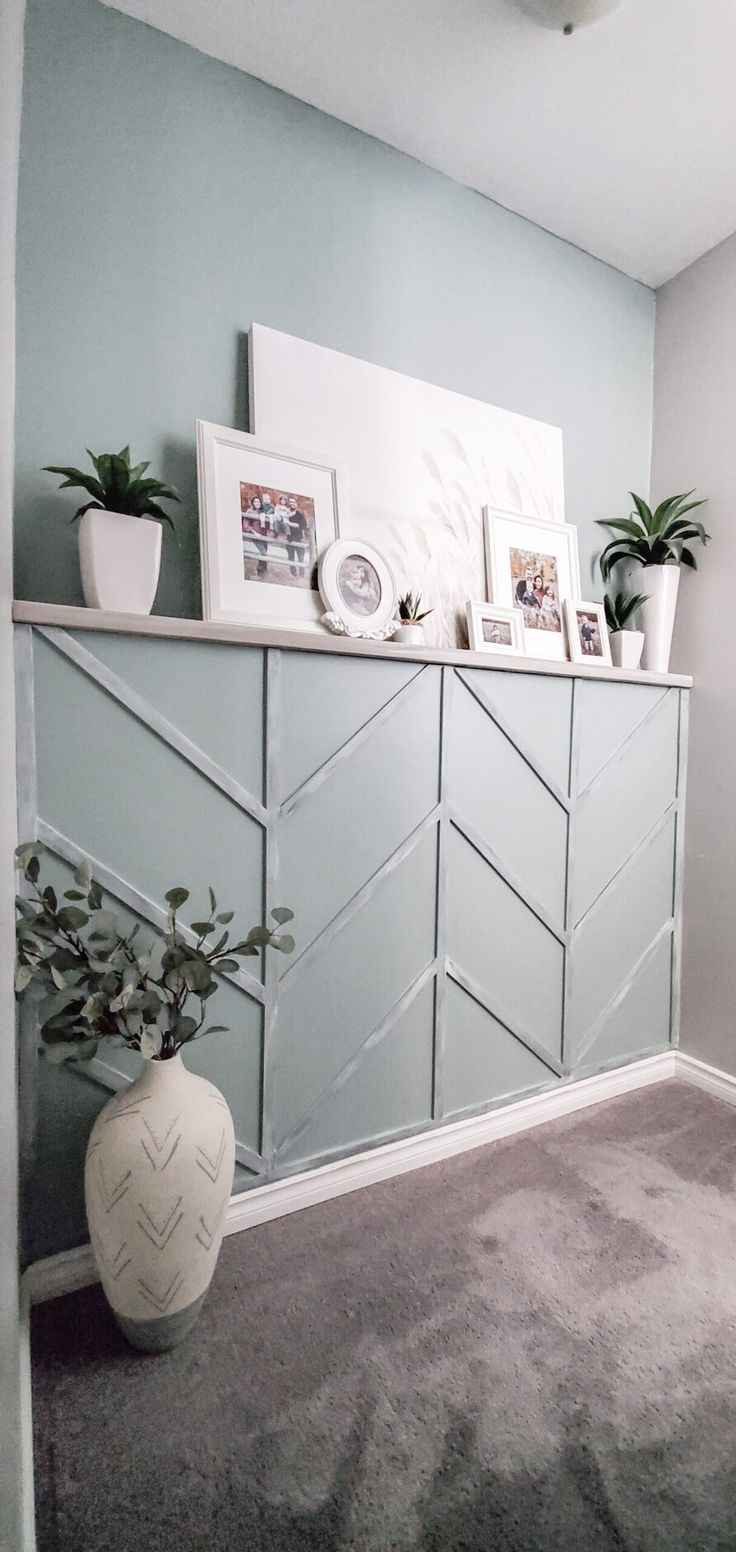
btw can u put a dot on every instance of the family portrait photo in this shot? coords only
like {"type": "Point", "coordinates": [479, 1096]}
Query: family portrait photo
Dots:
{"type": "Point", "coordinates": [279, 535]}
{"type": "Point", "coordinates": [535, 589]}
{"type": "Point", "coordinates": [359, 585]}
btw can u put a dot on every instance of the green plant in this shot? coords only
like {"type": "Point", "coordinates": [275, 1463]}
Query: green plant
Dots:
{"type": "Point", "coordinates": [620, 608]}
{"type": "Point", "coordinates": [116, 487]}
{"type": "Point", "coordinates": [96, 982]}
{"type": "Point", "coordinates": [410, 609]}
{"type": "Point", "coordinates": [654, 538]}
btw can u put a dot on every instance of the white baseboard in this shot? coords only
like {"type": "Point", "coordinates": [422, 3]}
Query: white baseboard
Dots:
{"type": "Point", "coordinates": [73, 1269]}
{"type": "Point", "coordinates": [721, 1084]}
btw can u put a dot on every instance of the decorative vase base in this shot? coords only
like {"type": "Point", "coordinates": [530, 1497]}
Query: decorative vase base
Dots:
{"type": "Point", "coordinates": [164, 1331]}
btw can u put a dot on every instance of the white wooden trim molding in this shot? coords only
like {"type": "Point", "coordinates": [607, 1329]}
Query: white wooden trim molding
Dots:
{"type": "Point", "coordinates": [67, 617]}
{"type": "Point", "coordinates": [74, 1269]}
{"type": "Point", "coordinates": [721, 1084]}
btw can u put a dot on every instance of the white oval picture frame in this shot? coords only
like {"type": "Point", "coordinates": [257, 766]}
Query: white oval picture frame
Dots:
{"type": "Point", "coordinates": [358, 585]}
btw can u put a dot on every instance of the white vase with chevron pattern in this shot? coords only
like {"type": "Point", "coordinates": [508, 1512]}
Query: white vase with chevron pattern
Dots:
{"type": "Point", "coordinates": [157, 1182]}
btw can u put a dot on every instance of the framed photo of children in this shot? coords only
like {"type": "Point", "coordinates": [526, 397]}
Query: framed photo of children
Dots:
{"type": "Point", "coordinates": [587, 633]}
{"type": "Point", "coordinates": [532, 567]}
{"type": "Point", "coordinates": [266, 512]}
{"type": "Point", "coordinates": [493, 629]}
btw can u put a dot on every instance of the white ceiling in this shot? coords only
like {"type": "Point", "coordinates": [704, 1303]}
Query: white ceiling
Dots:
{"type": "Point", "coordinates": [621, 138]}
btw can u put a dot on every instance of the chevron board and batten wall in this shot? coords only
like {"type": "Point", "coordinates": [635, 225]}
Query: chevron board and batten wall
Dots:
{"type": "Point", "coordinates": [485, 869]}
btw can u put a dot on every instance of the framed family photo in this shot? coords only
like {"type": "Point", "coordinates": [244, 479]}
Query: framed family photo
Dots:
{"type": "Point", "coordinates": [496, 630]}
{"type": "Point", "coordinates": [266, 512]}
{"type": "Point", "coordinates": [532, 567]}
{"type": "Point", "coordinates": [587, 633]}
{"type": "Point", "coordinates": [358, 587]}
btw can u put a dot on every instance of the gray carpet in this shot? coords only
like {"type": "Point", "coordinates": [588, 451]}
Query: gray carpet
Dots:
{"type": "Point", "coordinates": [527, 1348]}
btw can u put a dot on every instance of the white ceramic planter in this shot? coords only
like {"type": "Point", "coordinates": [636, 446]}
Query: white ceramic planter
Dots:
{"type": "Point", "coordinates": [120, 559]}
{"type": "Point", "coordinates": [657, 615]}
{"type": "Point", "coordinates": [410, 635]}
{"type": "Point", "coordinates": [157, 1182]}
{"type": "Point", "coordinates": [626, 648]}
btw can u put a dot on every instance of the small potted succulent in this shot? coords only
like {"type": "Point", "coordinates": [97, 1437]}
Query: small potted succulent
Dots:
{"type": "Point", "coordinates": [119, 544]}
{"type": "Point", "coordinates": [160, 1158]}
{"type": "Point", "coordinates": [412, 617]}
{"type": "Point", "coordinates": [660, 541]}
{"type": "Point", "coordinates": [626, 641]}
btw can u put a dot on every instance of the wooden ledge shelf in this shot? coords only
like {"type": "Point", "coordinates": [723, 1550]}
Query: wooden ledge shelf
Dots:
{"type": "Point", "coordinates": [67, 617]}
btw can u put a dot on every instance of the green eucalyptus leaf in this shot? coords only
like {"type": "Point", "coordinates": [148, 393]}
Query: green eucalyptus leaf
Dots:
{"type": "Point", "coordinates": [228, 966]}
{"type": "Point", "coordinates": [285, 943]}
{"type": "Point", "coordinates": [71, 918]}
{"type": "Point", "coordinates": [203, 929]}
{"type": "Point", "coordinates": [216, 1029]}
{"type": "Point", "coordinates": [260, 935]}
{"type": "Point", "coordinates": [176, 897]}
{"type": "Point", "coordinates": [282, 914]}
{"type": "Point", "coordinates": [225, 917]}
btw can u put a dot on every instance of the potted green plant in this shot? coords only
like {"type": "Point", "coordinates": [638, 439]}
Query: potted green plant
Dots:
{"type": "Point", "coordinates": [119, 531]}
{"type": "Point", "coordinates": [160, 1157]}
{"type": "Point", "coordinates": [412, 616]}
{"type": "Point", "coordinates": [626, 641]}
{"type": "Point", "coordinates": [660, 541]}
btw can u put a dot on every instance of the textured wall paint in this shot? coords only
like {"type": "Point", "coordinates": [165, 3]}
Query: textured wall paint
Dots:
{"type": "Point", "coordinates": [695, 395]}
{"type": "Point", "coordinates": [167, 201]}
{"type": "Point", "coordinates": [481, 907]}
{"type": "Point", "coordinates": [16, 1486]}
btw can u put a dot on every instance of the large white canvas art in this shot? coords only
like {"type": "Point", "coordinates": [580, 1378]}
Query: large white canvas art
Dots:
{"type": "Point", "coordinates": [421, 462]}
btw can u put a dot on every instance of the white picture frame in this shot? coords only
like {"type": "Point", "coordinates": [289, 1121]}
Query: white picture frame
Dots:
{"type": "Point", "coordinates": [587, 633]}
{"type": "Point", "coordinates": [358, 588]}
{"type": "Point", "coordinates": [495, 630]}
{"type": "Point", "coordinates": [258, 570]}
{"type": "Point", "coordinates": [517, 545]}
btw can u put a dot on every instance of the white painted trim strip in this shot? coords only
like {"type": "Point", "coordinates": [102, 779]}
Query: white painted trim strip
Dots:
{"type": "Point", "coordinates": [73, 1269]}
{"type": "Point", "coordinates": [721, 1084]}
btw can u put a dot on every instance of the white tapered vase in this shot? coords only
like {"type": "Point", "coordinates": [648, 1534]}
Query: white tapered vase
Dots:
{"type": "Point", "coordinates": [626, 648]}
{"type": "Point", "coordinates": [157, 1182]}
{"type": "Point", "coordinates": [120, 560]}
{"type": "Point", "coordinates": [657, 615]}
{"type": "Point", "coordinates": [409, 634]}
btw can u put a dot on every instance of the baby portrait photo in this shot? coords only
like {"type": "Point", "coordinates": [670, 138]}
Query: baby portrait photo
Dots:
{"type": "Point", "coordinates": [589, 634]}
{"type": "Point", "coordinates": [535, 589]}
{"type": "Point", "coordinates": [279, 543]}
{"type": "Point", "coordinates": [497, 632]}
{"type": "Point", "coordinates": [359, 585]}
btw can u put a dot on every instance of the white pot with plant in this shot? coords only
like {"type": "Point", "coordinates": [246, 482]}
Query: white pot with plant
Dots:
{"type": "Point", "coordinates": [659, 540]}
{"type": "Point", "coordinates": [626, 642]}
{"type": "Point", "coordinates": [412, 617]}
{"type": "Point", "coordinates": [160, 1158]}
{"type": "Point", "coordinates": [119, 531]}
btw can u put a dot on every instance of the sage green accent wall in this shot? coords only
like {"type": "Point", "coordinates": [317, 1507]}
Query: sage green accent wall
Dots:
{"type": "Point", "coordinates": [167, 201]}
{"type": "Point", "coordinates": [487, 904]}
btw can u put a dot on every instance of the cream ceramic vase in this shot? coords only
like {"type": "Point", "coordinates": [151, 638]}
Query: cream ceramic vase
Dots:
{"type": "Point", "coordinates": [410, 634]}
{"type": "Point", "coordinates": [657, 615]}
{"type": "Point", "coordinates": [157, 1182]}
{"type": "Point", "coordinates": [626, 648]}
{"type": "Point", "coordinates": [120, 560]}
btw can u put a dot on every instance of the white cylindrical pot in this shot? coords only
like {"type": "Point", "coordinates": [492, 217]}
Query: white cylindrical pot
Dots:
{"type": "Point", "coordinates": [626, 648]}
{"type": "Point", "coordinates": [657, 615]}
{"type": "Point", "coordinates": [157, 1182]}
{"type": "Point", "coordinates": [410, 635]}
{"type": "Point", "coordinates": [120, 559]}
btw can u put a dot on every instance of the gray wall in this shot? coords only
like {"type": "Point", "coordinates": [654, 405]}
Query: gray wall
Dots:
{"type": "Point", "coordinates": [482, 867]}
{"type": "Point", "coordinates": [167, 201]}
{"type": "Point", "coordinates": [15, 1456]}
{"type": "Point", "coordinates": [694, 445]}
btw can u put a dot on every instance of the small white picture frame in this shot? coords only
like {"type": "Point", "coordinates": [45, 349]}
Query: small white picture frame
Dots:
{"type": "Point", "coordinates": [494, 630]}
{"type": "Point", "coordinates": [358, 588]}
{"type": "Point", "coordinates": [587, 633]}
{"type": "Point", "coordinates": [532, 566]}
{"type": "Point", "coordinates": [266, 511]}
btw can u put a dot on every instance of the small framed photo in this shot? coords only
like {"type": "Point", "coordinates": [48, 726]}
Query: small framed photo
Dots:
{"type": "Point", "coordinates": [265, 514]}
{"type": "Point", "coordinates": [493, 629]}
{"type": "Point", "coordinates": [587, 633]}
{"type": "Point", "coordinates": [532, 567]}
{"type": "Point", "coordinates": [358, 588]}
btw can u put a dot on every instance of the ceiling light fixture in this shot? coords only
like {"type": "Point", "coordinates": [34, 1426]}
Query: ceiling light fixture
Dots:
{"type": "Point", "coordinates": [566, 15]}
